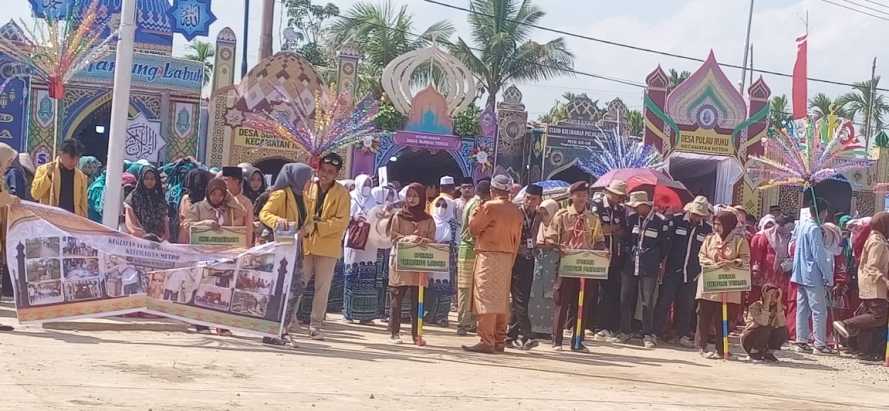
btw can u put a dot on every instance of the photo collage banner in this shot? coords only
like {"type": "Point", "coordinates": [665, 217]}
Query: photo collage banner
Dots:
{"type": "Point", "coordinates": [65, 267]}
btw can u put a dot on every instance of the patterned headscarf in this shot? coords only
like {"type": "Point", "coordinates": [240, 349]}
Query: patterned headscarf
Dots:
{"type": "Point", "coordinates": [149, 205]}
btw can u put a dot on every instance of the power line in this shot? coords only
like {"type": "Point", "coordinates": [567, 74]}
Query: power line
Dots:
{"type": "Point", "coordinates": [644, 49]}
{"type": "Point", "coordinates": [451, 44]}
{"type": "Point", "coordinates": [856, 10]}
{"type": "Point", "coordinates": [865, 6]}
{"type": "Point", "coordinates": [877, 3]}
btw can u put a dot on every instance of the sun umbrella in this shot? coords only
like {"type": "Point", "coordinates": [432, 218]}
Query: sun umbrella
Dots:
{"type": "Point", "coordinates": [668, 194]}
{"type": "Point", "coordinates": [551, 189]}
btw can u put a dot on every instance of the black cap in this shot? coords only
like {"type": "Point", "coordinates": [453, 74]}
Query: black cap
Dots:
{"type": "Point", "coordinates": [484, 187]}
{"type": "Point", "coordinates": [579, 186]}
{"type": "Point", "coordinates": [534, 189]}
{"type": "Point", "coordinates": [236, 172]}
{"type": "Point", "coordinates": [467, 180]}
{"type": "Point", "coordinates": [333, 159]}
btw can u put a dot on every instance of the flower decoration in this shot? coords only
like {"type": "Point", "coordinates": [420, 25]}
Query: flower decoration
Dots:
{"type": "Point", "coordinates": [481, 157]}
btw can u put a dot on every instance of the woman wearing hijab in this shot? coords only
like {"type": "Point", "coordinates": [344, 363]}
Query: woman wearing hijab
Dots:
{"type": "Point", "coordinates": [359, 265]}
{"type": "Point", "coordinates": [378, 218]}
{"type": "Point", "coordinates": [218, 209]}
{"type": "Point", "coordinates": [286, 208]}
{"type": "Point", "coordinates": [7, 157]}
{"type": "Point", "coordinates": [770, 261]}
{"type": "Point", "coordinates": [90, 166]}
{"type": "Point", "coordinates": [766, 328]}
{"type": "Point", "coordinates": [438, 296]}
{"type": "Point", "coordinates": [196, 189]}
{"type": "Point", "coordinates": [19, 176]}
{"type": "Point", "coordinates": [146, 207]}
{"type": "Point", "coordinates": [863, 332]}
{"type": "Point", "coordinates": [725, 247]}
{"type": "Point", "coordinates": [410, 225]}
{"type": "Point", "coordinates": [254, 183]}
{"type": "Point", "coordinates": [546, 265]}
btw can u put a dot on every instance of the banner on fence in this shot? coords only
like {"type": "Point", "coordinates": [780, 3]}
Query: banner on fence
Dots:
{"type": "Point", "coordinates": [66, 267]}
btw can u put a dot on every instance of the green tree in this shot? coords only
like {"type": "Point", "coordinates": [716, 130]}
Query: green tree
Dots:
{"type": "Point", "coordinates": [202, 52]}
{"type": "Point", "coordinates": [636, 122]}
{"type": "Point", "coordinates": [779, 113]}
{"type": "Point", "coordinates": [676, 77]}
{"type": "Point", "coordinates": [863, 103]}
{"type": "Point", "coordinates": [383, 32]}
{"type": "Point", "coordinates": [467, 122]}
{"type": "Point", "coordinates": [501, 30]}
{"type": "Point", "coordinates": [823, 105]}
{"type": "Point", "coordinates": [306, 20]}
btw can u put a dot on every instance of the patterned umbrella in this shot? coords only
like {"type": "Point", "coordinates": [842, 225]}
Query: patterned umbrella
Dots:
{"type": "Point", "coordinates": [668, 194]}
{"type": "Point", "coordinates": [551, 189]}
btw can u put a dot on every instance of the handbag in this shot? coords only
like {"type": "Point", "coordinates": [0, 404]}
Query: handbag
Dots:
{"type": "Point", "coordinates": [358, 232]}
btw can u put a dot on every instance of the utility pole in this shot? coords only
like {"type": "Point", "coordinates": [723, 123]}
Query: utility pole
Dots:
{"type": "Point", "coordinates": [265, 36]}
{"type": "Point", "coordinates": [751, 63]}
{"type": "Point", "coordinates": [246, 26]}
{"type": "Point", "coordinates": [870, 106]}
{"type": "Point", "coordinates": [746, 47]}
{"type": "Point", "coordinates": [120, 104]}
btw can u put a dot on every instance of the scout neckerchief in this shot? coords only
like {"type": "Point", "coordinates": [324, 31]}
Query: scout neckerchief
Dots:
{"type": "Point", "coordinates": [578, 232]}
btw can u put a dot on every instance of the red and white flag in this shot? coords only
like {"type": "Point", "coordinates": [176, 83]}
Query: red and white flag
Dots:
{"type": "Point", "coordinates": [800, 72]}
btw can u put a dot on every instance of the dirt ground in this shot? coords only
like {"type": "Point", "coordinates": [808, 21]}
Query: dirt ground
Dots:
{"type": "Point", "coordinates": [159, 365]}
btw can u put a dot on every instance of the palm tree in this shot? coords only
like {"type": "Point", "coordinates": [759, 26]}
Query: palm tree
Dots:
{"type": "Point", "coordinates": [503, 51]}
{"type": "Point", "coordinates": [863, 102]}
{"type": "Point", "coordinates": [778, 111]}
{"type": "Point", "coordinates": [636, 122]}
{"type": "Point", "coordinates": [676, 77]}
{"type": "Point", "coordinates": [202, 52]}
{"type": "Point", "coordinates": [823, 105]}
{"type": "Point", "coordinates": [383, 32]}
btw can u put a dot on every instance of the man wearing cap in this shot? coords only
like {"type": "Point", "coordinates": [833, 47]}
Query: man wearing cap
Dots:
{"type": "Point", "coordinates": [328, 204]}
{"type": "Point", "coordinates": [523, 272]}
{"type": "Point", "coordinates": [687, 233]}
{"type": "Point", "coordinates": [572, 228]}
{"type": "Point", "coordinates": [466, 261]}
{"type": "Point", "coordinates": [497, 228]}
{"type": "Point", "coordinates": [647, 241]}
{"type": "Point", "coordinates": [612, 214]}
{"type": "Point", "coordinates": [234, 181]}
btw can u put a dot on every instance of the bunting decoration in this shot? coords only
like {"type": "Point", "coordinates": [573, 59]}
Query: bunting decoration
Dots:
{"type": "Point", "coordinates": [336, 123]}
{"type": "Point", "coordinates": [53, 50]}
{"type": "Point", "coordinates": [613, 151]}
{"type": "Point", "coordinates": [810, 151]}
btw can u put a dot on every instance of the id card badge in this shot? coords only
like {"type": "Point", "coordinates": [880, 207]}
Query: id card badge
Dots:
{"type": "Point", "coordinates": [529, 243]}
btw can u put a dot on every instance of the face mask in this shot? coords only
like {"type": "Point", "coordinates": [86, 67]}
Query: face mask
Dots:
{"type": "Point", "coordinates": [365, 191]}
{"type": "Point", "coordinates": [440, 211]}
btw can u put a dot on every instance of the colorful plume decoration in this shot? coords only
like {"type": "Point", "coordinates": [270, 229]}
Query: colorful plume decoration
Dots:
{"type": "Point", "coordinates": [615, 151]}
{"type": "Point", "coordinates": [336, 123]}
{"type": "Point", "coordinates": [809, 151]}
{"type": "Point", "coordinates": [53, 50]}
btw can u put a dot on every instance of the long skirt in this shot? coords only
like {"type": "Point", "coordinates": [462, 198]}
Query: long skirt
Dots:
{"type": "Point", "coordinates": [382, 282]}
{"type": "Point", "coordinates": [360, 294]}
{"type": "Point", "coordinates": [540, 309]}
{"type": "Point", "coordinates": [437, 299]}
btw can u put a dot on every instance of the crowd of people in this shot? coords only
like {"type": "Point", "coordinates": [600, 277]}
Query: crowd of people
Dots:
{"type": "Point", "coordinates": [819, 280]}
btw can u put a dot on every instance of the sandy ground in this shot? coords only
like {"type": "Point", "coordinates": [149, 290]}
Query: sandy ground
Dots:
{"type": "Point", "coordinates": [159, 365]}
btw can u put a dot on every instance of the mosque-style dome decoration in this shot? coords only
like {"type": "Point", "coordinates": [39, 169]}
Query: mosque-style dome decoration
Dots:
{"type": "Point", "coordinates": [458, 86]}
{"type": "Point", "coordinates": [707, 99]}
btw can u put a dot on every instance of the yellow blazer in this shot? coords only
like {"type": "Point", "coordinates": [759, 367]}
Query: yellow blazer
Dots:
{"type": "Point", "coordinates": [48, 183]}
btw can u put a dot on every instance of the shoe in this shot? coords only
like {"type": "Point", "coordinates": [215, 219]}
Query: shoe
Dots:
{"type": "Point", "coordinates": [582, 349]}
{"type": "Point", "coordinates": [461, 332]}
{"type": "Point", "coordinates": [272, 341]}
{"type": "Point", "coordinates": [619, 338]}
{"type": "Point", "coordinates": [602, 336]}
{"type": "Point", "coordinates": [802, 348]}
{"type": "Point", "coordinates": [705, 354]}
{"type": "Point", "coordinates": [769, 357]}
{"type": "Point", "coordinates": [824, 351]}
{"type": "Point", "coordinates": [500, 348]}
{"type": "Point", "coordinates": [316, 334]}
{"type": "Point", "coordinates": [870, 358]}
{"type": "Point", "coordinates": [756, 357]}
{"type": "Point", "coordinates": [6, 328]}
{"type": "Point", "coordinates": [395, 339]}
{"type": "Point", "coordinates": [558, 348]}
{"type": "Point", "coordinates": [840, 328]}
{"type": "Point", "coordinates": [479, 348]}
{"type": "Point", "coordinates": [201, 329]}
{"type": "Point", "coordinates": [649, 341]}
{"type": "Point", "coordinates": [515, 345]}
{"type": "Point", "coordinates": [530, 344]}
{"type": "Point", "coordinates": [222, 332]}
{"type": "Point", "coordinates": [686, 342]}
{"type": "Point", "coordinates": [420, 342]}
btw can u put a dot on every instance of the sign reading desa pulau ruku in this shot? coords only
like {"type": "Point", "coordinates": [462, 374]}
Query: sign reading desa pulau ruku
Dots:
{"type": "Point", "coordinates": [149, 71]}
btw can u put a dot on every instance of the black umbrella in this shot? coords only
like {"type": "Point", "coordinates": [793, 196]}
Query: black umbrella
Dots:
{"type": "Point", "coordinates": [835, 190]}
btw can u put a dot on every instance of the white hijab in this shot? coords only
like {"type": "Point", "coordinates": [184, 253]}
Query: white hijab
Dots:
{"type": "Point", "coordinates": [362, 201]}
{"type": "Point", "coordinates": [442, 217]}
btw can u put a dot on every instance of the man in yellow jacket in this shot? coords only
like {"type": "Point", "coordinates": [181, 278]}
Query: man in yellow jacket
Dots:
{"type": "Point", "coordinates": [60, 183]}
{"type": "Point", "coordinates": [327, 203]}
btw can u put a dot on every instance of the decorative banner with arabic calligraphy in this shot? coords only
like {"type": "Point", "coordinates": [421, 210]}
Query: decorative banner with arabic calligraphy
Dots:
{"type": "Point", "coordinates": [144, 139]}
{"type": "Point", "coordinates": [65, 267]}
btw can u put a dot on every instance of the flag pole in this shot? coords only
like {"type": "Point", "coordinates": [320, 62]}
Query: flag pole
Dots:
{"type": "Point", "coordinates": [119, 110]}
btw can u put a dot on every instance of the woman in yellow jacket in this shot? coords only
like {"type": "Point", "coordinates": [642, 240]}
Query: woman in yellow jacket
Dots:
{"type": "Point", "coordinates": [48, 179]}
{"type": "Point", "coordinates": [286, 207]}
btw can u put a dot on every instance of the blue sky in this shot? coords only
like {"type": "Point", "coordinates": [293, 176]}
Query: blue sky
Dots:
{"type": "Point", "coordinates": [841, 43]}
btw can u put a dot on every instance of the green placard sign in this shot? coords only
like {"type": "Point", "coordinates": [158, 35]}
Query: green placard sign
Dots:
{"type": "Point", "coordinates": [726, 279]}
{"type": "Point", "coordinates": [589, 264]}
{"type": "Point", "coordinates": [225, 236]}
{"type": "Point", "coordinates": [422, 258]}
